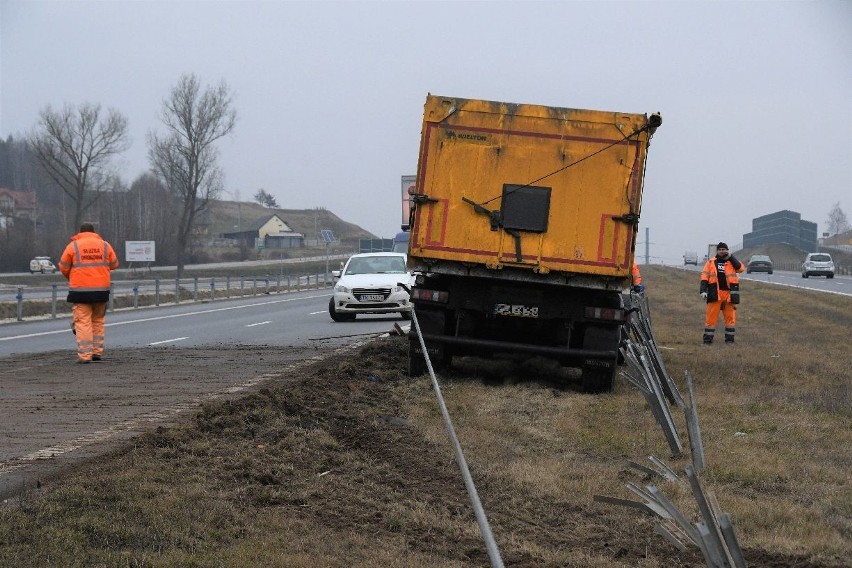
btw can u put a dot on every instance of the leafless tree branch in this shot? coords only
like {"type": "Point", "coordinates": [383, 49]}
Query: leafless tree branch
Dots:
{"type": "Point", "coordinates": [75, 145]}
{"type": "Point", "coordinates": [185, 158]}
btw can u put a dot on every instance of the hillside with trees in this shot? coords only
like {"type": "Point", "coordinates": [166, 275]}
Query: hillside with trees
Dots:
{"type": "Point", "coordinates": [64, 172]}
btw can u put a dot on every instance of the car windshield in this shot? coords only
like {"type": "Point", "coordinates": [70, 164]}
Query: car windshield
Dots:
{"type": "Point", "coordinates": [376, 265]}
{"type": "Point", "coordinates": [820, 258]}
{"type": "Point", "coordinates": [760, 258]}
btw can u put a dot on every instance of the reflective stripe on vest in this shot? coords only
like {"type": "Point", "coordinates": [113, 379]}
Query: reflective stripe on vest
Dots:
{"type": "Point", "coordinates": [78, 262]}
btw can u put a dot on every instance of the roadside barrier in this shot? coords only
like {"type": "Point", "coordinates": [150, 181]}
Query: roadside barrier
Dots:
{"type": "Point", "coordinates": [713, 534]}
{"type": "Point", "coordinates": [33, 302]}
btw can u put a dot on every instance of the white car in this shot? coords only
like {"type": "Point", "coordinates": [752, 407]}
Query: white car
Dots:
{"type": "Point", "coordinates": [818, 264]}
{"type": "Point", "coordinates": [42, 264]}
{"type": "Point", "coordinates": [371, 283]}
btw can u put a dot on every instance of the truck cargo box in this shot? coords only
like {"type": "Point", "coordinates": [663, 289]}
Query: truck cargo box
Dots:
{"type": "Point", "coordinates": [541, 189]}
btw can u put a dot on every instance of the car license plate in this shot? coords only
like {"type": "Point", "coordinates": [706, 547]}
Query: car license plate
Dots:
{"type": "Point", "coordinates": [517, 310]}
{"type": "Point", "coordinates": [371, 298]}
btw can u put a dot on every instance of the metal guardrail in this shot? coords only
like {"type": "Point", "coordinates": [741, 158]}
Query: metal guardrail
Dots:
{"type": "Point", "coordinates": [135, 294]}
{"type": "Point", "coordinates": [713, 534]}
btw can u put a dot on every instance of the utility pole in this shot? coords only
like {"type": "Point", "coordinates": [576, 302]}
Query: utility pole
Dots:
{"type": "Point", "coordinates": [647, 243]}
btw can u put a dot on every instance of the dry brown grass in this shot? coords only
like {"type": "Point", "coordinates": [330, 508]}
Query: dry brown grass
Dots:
{"type": "Point", "coordinates": [332, 468]}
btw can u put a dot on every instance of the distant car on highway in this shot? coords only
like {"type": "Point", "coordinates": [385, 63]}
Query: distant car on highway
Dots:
{"type": "Point", "coordinates": [42, 264]}
{"type": "Point", "coordinates": [371, 283]}
{"type": "Point", "coordinates": [759, 263]}
{"type": "Point", "coordinates": [690, 257]}
{"type": "Point", "coordinates": [818, 264]}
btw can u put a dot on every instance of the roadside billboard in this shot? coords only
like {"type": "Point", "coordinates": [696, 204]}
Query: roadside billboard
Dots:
{"type": "Point", "coordinates": [408, 185]}
{"type": "Point", "coordinates": [139, 251]}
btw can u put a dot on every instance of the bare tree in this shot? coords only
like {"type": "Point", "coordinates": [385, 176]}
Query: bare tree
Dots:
{"type": "Point", "coordinates": [185, 157]}
{"type": "Point", "coordinates": [265, 198]}
{"type": "Point", "coordinates": [75, 146]}
{"type": "Point", "coordinates": [837, 221]}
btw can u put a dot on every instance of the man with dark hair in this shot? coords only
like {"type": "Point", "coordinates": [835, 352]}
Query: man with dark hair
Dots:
{"type": "Point", "coordinates": [720, 288]}
{"type": "Point", "coordinates": [86, 262]}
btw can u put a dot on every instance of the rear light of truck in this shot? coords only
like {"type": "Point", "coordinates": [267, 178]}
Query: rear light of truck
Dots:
{"type": "Point", "coordinates": [430, 295]}
{"type": "Point", "coordinates": [608, 314]}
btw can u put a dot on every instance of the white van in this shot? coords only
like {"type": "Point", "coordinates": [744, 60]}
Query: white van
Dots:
{"type": "Point", "coordinates": [42, 264]}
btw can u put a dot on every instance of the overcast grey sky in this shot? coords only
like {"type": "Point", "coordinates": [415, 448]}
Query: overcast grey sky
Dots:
{"type": "Point", "coordinates": [756, 97]}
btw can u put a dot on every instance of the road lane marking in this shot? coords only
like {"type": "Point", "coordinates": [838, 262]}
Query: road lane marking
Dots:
{"type": "Point", "coordinates": [168, 341]}
{"type": "Point", "coordinates": [315, 313]}
{"type": "Point", "coordinates": [259, 323]}
{"type": "Point", "coordinates": [171, 316]}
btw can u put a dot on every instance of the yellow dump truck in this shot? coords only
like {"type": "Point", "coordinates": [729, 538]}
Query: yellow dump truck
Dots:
{"type": "Point", "coordinates": [523, 227]}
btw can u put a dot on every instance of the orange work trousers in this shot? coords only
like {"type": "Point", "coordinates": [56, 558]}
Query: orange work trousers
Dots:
{"type": "Point", "coordinates": [729, 311]}
{"type": "Point", "coordinates": [89, 328]}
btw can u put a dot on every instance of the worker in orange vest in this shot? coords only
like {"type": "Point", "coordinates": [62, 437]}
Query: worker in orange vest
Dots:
{"type": "Point", "coordinates": [720, 288]}
{"type": "Point", "coordinates": [86, 262]}
{"type": "Point", "coordinates": [638, 287]}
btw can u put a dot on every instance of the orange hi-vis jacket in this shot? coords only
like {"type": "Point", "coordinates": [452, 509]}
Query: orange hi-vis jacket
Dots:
{"type": "Point", "coordinates": [86, 263]}
{"type": "Point", "coordinates": [637, 278]}
{"type": "Point", "coordinates": [710, 278]}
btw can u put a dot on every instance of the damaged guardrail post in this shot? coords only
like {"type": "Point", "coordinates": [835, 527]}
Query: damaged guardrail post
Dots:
{"type": "Point", "coordinates": [696, 446]}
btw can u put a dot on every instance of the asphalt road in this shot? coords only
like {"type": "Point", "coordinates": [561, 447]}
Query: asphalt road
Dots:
{"type": "Point", "coordinates": [837, 285]}
{"type": "Point", "coordinates": [293, 319]}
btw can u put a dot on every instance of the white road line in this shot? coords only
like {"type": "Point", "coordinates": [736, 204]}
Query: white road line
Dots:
{"type": "Point", "coordinates": [315, 313]}
{"type": "Point", "coordinates": [157, 318]}
{"type": "Point", "coordinates": [837, 292]}
{"type": "Point", "coordinates": [259, 323]}
{"type": "Point", "coordinates": [168, 341]}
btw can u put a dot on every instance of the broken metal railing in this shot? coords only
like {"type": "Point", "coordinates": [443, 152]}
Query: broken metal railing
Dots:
{"type": "Point", "coordinates": [713, 534]}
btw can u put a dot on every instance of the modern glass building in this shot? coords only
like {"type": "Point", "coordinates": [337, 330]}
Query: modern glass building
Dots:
{"type": "Point", "coordinates": [783, 227]}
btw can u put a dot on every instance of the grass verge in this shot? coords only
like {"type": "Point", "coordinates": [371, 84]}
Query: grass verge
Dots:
{"type": "Point", "coordinates": [348, 463]}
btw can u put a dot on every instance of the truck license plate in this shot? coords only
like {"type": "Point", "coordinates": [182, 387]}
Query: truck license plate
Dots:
{"type": "Point", "coordinates": [517, 310]}
{"type": "Point", "coordinates": [371, 298]}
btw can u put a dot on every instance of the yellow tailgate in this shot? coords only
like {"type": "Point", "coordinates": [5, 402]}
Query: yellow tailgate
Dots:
{"type": "Point", "coordinates": [562, 187]}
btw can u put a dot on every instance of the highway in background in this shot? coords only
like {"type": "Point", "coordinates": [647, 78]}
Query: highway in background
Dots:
{"type": "Point", "coordinates": [837, 285]}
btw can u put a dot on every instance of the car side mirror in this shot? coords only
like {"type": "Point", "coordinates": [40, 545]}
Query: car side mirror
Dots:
{"type": "Point", "coordinates": [335, 273]}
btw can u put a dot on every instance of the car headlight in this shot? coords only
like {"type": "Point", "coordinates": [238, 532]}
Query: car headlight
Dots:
{"type": "Point", "coordinates": [341, 289]}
